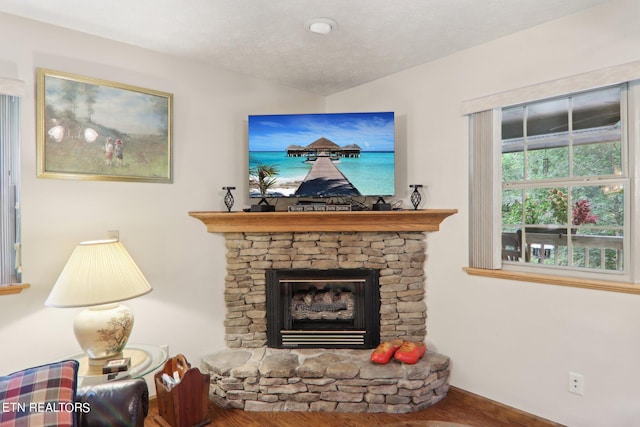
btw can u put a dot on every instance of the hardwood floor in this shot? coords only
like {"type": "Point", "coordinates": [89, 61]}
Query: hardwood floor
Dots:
{"type": "Point", "coordinates": [458, 407]}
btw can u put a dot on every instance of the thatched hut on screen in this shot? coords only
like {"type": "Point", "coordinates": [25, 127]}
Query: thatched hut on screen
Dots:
{"type": "Point", "coordinates": [323, 147]}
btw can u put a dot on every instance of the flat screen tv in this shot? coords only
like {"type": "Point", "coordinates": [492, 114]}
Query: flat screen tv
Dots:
{"type": "Point", "coordinates": [334, 155]}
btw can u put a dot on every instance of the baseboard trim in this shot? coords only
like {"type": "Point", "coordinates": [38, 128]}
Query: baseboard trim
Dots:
{"type": "Point", "coordinates": [508, 413]}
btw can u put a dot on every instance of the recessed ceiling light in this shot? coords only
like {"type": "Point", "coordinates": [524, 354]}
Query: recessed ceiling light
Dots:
{"type": "Point", "coordinates": [321, 25]}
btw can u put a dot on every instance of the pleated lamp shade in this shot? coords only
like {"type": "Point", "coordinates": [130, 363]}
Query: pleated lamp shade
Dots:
{"type": "Point", "coordinates": [98, 272]}
{"type": "Point", "coordinates": [98, 275]}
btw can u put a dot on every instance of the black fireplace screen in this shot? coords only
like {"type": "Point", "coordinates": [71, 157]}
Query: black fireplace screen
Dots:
{"type": "Point", "coordinates": [337, 308]}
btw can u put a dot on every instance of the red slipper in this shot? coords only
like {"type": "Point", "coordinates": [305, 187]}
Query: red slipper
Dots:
{"type": "Point", "coordinates": [410, 352]}
{"type": "Point", "coordinates": [422, 348]}
{"type": "Point", "coordinates": [383, 353]}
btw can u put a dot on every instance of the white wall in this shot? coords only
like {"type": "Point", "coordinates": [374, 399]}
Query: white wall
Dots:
{"type": "Point", "coordinates": [184, 263]}
{"type": "Point", "coordinates": [514, 342]}
{"type": "Point", "coordinates": [510, 341]}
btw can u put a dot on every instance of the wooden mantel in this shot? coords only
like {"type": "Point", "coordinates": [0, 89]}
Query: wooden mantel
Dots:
{"type": "Point", "coordinates": [273, 222]}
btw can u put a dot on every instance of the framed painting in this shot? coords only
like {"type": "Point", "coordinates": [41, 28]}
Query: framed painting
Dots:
{"type": "Point", "coordinates": [94, 129]}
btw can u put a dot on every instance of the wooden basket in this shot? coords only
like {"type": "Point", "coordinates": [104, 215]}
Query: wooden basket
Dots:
{"type": "Point", "coordinates": [186, 403]}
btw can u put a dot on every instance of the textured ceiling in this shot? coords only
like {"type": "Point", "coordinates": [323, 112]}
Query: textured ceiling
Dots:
{"type": "Point", "coordinates": [269, 40]}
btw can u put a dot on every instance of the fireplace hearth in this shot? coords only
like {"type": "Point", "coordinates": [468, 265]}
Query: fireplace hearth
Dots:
{"type": "Point", "coordinates": [336, 308]}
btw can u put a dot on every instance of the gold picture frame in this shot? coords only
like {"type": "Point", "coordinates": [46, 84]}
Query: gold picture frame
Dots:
{"type": "Point", "coordinates": [94, 129]}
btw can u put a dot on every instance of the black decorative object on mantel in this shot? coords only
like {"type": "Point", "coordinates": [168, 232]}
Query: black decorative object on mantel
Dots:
{"type": "Point", "coordinates": [228, 198]}
{"type": "Point", "coordinates": [263, 206]}
{"type": "Point", "coordinates": [381, 205]}
{"type": "Point", "coordinates": [416, 198]}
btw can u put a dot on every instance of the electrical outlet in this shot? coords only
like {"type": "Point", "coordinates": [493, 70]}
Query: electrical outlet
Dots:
{"type": "Point", "coordinates": [576, 383]}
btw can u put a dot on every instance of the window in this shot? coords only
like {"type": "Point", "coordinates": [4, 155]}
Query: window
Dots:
{"type": "Point", "coordinates": [564, 181]}
{"type": "Point", "coordinates": [552, 188]}
{"type": "Point", "coordinates": [9, 190]}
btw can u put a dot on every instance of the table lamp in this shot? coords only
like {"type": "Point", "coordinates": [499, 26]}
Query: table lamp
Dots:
{"type": "Point", "coordinates": [98, 275]}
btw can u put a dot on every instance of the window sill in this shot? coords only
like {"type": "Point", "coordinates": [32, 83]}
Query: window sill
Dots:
{"type": "Point", "coordinates": [13, 289]}
{"type": "Point", "coordinates": [600, 285]}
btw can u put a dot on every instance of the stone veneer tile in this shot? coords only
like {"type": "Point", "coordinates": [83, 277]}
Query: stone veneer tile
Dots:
{"type": "Point", "coordinates": [342, 370]}
{"type": "Point", "coordinates": [399, 256]}
{"type": "Point", "coordinates": [393, 388]}
{"type": "Point", "coordinates": [391, 370]}
{"type": "Point", "coordinates": [222, 362]}
{"type": "Point", "coordinates": [323, 406]}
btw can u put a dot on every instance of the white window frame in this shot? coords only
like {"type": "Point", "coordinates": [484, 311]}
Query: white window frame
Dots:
{"type": "Point", "coordinates": [485, 213]}
{"type": "Point", "coordinates": [616, 275]}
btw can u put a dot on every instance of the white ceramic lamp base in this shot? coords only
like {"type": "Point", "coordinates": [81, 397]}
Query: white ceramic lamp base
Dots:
{"type": "Point", "coordinates": [103, 331]}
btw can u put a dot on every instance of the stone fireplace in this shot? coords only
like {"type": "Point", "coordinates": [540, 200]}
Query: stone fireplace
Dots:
{"type": "Point", "coordinates": [315, 282]}
{"type": "Point", "coordinates": [398, 257]}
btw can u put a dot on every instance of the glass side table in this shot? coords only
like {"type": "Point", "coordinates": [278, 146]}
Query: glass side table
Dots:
{"type": "Point", "coordinates": [145, 359]}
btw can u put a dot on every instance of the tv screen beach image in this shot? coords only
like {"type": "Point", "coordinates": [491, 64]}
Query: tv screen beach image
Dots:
{"type": "Point", "coordinates": [322, 155]}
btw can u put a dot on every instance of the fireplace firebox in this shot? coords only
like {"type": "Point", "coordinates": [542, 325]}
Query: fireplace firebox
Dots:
{"type": "Point", "coordinates": [338, 308]}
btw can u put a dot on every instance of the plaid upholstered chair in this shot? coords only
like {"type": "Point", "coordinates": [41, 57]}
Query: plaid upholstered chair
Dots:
{"type": "Point", "coordinates": [48, 395]}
